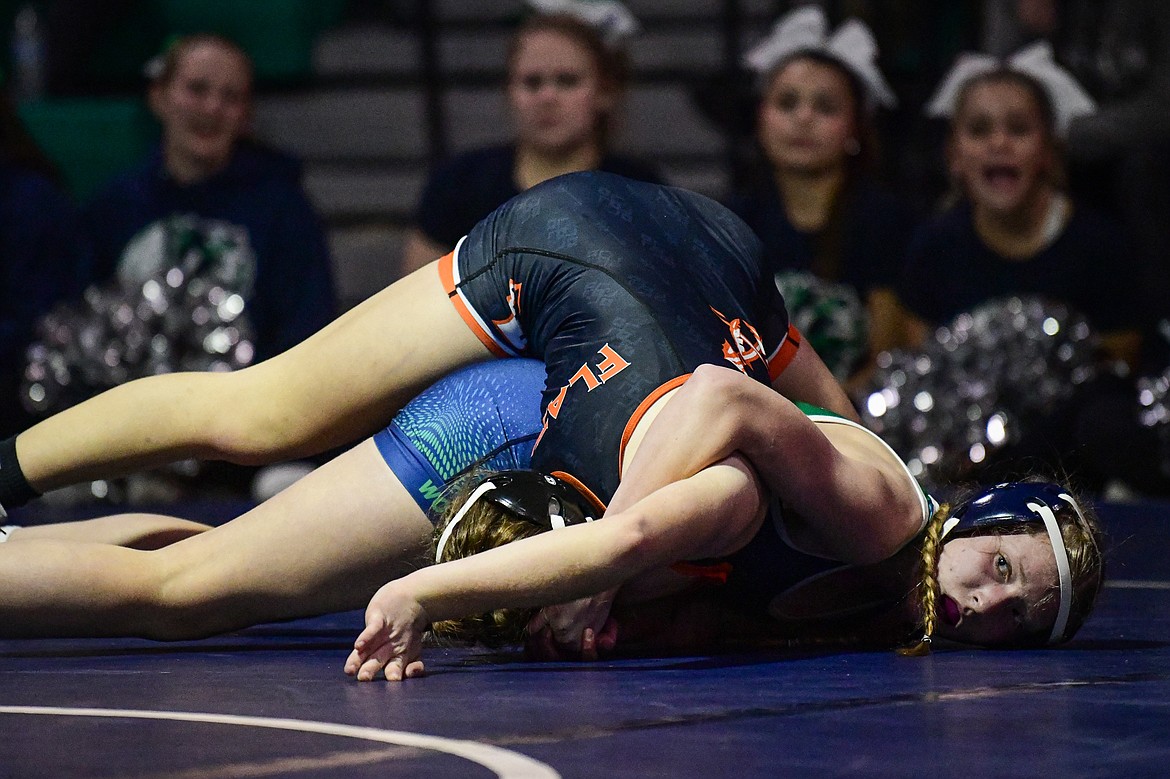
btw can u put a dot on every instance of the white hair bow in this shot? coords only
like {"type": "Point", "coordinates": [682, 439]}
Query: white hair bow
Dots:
{"type": "Point", "coordinates": [1069, 100]}
{"type": "Point", "coordinates": [610, 18]}
{"type": "Point", "coordinates": [806, 29]}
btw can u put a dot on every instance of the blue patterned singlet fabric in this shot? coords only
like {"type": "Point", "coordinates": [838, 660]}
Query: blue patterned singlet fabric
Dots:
{"type": "Point", "coordinates": [485, 415]}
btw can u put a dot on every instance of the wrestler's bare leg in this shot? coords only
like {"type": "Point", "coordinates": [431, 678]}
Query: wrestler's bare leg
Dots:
{"type": "Point", "coordinates": [324, 544]}
{"type": "Point", "coordinates": [136, 531]}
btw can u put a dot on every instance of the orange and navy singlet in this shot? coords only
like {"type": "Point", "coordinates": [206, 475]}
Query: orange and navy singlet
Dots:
{"type": "Point", "coordinates": [622, 288]}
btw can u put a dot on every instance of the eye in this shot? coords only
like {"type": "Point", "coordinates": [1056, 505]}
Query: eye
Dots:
{"type": "Point", "coordinates": [1019, 127]}
{"type": "Point", "coordinates": [532, 82]}
{"type": "Point", "coordinates": [826, 106]}
{"type": "Point", "coordinates": [1003, 567]}
{"type": "Point", "coordinates": [198, 88]}
{"type": "Point", "coordinates": [568, 80]}
{"type": "Point", "coordinates": [787, 101]}
{"type": "Point", "coordinates": [978, 127]}
{"type": "Point", "coordinates": [233, 96]}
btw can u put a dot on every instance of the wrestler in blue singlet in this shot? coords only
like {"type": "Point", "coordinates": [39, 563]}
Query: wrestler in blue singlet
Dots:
{"type": "Point", "coordinates": [486, 415]}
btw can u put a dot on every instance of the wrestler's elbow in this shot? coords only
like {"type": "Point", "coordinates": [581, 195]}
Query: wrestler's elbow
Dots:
{"type": "Point", "coordinates": [723, 398]}
{"type": "Point", "coordinates": [632, 546]}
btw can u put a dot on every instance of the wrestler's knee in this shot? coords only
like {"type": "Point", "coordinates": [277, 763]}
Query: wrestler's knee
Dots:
{"type": "Point", "coordinates": [187, 603]}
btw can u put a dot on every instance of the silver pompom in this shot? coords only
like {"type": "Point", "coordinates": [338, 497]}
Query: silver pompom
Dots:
{"type": "Point", "coordinates": [1154, 402]}
{"type": "Point", "coordinates": [830, 316]}
{"type": "Point", "coordinates": [978, 384]}
{"type": "Point", "coordinates": [177, 304]}
{"type": "Point", "coordinates": [186, 314]}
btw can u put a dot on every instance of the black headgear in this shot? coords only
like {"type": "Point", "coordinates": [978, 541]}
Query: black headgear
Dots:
{"type": "Point", "coordinates": [545, 501]}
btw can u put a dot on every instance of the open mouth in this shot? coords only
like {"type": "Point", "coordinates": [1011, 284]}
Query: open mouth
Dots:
{"type": "Point", "coordinates": [948, 611]}
{"type": "Point", "coordinates": [1001, 175]}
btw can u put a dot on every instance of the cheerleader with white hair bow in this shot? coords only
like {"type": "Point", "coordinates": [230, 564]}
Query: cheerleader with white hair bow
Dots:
{"type": "Point", "coordinates": [1066, 99]}
{"type": "Point", "coordinates": [1012, 228]}
{"type": "Point", "coordinates": [825, 223]}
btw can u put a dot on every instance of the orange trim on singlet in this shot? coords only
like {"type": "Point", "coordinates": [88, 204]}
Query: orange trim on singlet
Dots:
{"type": "Point", "coordinates": [447, 277]}
{"type": "Point", "coordinates": [641, 410]}
{"type": "Point", "coordinates": [588, 493]}
{"type": "Point", "coordinates": [784, 355]}
{"type": "Point", "coordinates": [713, 573]}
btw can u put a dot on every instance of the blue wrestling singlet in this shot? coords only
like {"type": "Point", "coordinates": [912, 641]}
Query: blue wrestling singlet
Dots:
{"type": "Point", "coordinates": [486, 415]}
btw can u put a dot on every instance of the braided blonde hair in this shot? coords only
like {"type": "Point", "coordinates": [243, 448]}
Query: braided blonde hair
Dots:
{"type": "Point", "coordinates": [1083, 541]}
{"type": "Point", "coordinates": [930, 552]}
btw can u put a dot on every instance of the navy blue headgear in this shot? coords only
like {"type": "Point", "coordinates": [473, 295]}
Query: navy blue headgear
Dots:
{"type": "Point", "coordinates": [545, 501]}
{"type": "Point", "coordinates": [1023, 503]}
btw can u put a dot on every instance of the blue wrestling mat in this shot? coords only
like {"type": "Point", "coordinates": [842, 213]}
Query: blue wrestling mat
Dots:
{"type": "Point", "coordinates": [273, 701]}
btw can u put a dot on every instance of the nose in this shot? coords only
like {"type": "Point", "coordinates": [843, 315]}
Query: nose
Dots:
{"type": "Point", "coordinates": [547, 88]}
{"type": "Point", "coordinates": [1000, 138]}
{"type": "Point", "coordinates": [986, 600]}
{"type": "Point", "coordinates": [803, 111]}
{"type": "Point", "coordinates": [219, 103]}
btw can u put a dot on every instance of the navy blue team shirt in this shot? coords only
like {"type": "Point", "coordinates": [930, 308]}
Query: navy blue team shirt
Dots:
{"type": "Point", "coordinates": [469, 186]}
{"type": "Point", "coordinates": [259, 191]}
{"type": "Point", "coordinates": [876, 229]}
{"type": "Point", "coordinates": [950, 270]}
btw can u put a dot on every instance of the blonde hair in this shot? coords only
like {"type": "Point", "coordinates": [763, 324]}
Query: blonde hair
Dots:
{"type": "Point", "coordinates": [929, 552]}
{"type": "Point", "coordinates": [485, 526]}
{"type": "Point", "coordinates": [1083, 540]}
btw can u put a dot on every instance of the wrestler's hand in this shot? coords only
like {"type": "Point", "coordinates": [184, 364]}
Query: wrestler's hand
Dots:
{"type": "Point", "coordinates": [392, 639]}
{"type": "Point", "coordinates": [581, 629]}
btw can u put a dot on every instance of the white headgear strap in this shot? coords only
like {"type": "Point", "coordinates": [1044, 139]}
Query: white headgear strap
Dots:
{"type": "Point", "coordinates": [852, 44]}
{"type": "Point", "coordinates": [1069, 100]}
{"type": "Point", "coordinates": [556, 521]}
{"type": "Point", "coordinates": [445, 536]}
{"type": "Point", "coordinates": [1062, 568]}
{"type": "Point", "coordinates": [612, 20]}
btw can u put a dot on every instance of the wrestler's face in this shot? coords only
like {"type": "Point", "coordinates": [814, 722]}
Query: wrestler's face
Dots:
{"type": "Point", "coordinates": [555, 92]}
{"type": "Point", "coordinates": [203, 107]}
{"type": "Point", "coordinates": [1001, 152]}
{"type": "Point", "coordinates": [808, 119]}
{"type": "Point", "coordinates": [997, 589]}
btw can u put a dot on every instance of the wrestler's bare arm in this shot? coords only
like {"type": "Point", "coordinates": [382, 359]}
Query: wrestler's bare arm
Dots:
{"type": "Point", "coordinates": [864, 511]}
{"type": "Point", "coordinates": [808, 379]}
{"type": "Point", "coordinates": [705, 515]}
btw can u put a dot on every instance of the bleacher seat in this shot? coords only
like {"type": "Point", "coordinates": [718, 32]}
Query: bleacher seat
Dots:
{"type": "Point", "coordinates": [365, 123]}
{"type": "Point", "coordinates": [345, 192]}
{"type": "Point", "coordinates": [380, 51]}
{"type": "Point", "coordinates": [365, 259]}
{"type": "Point", "coordinates": [475, 116]}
